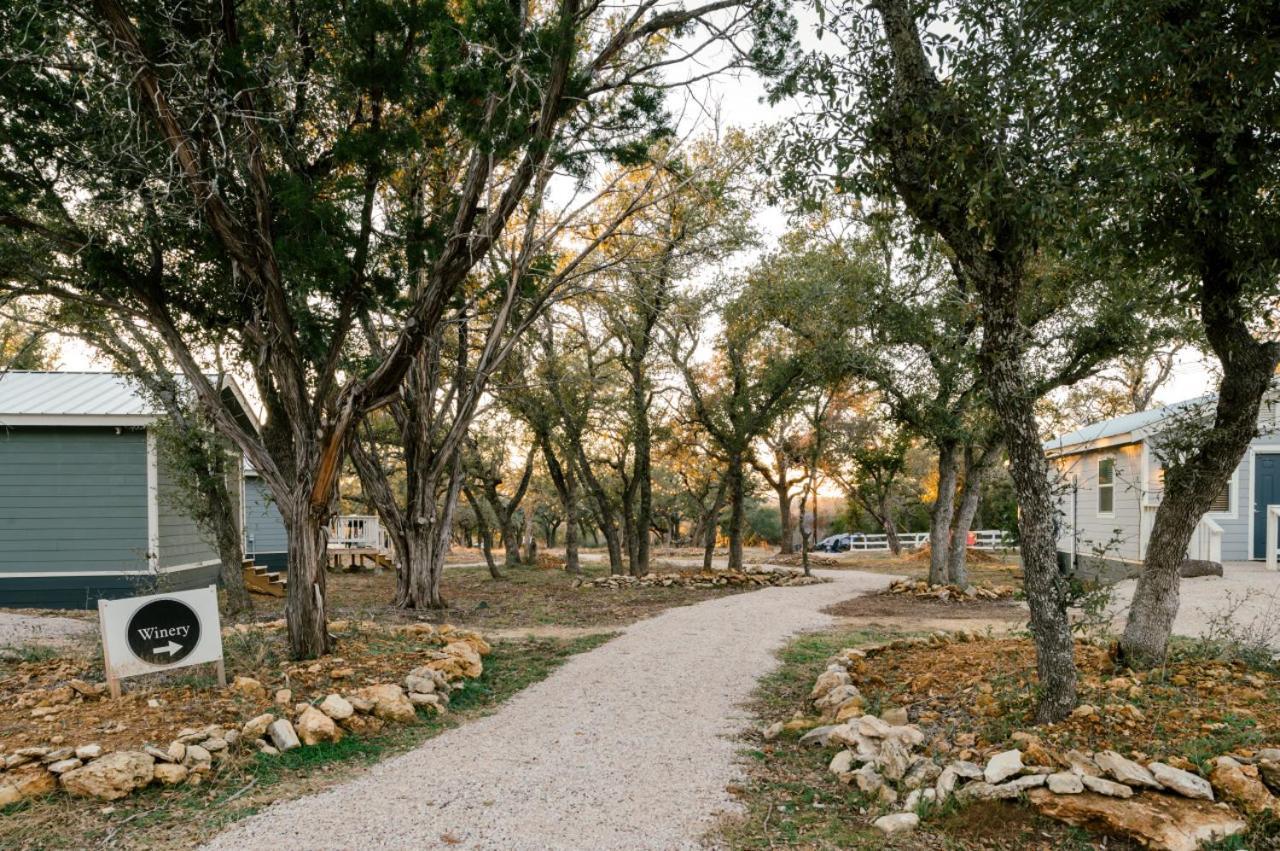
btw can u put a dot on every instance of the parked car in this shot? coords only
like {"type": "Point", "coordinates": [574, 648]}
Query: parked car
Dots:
{"type": "Point", "coordinates": [839, 543]}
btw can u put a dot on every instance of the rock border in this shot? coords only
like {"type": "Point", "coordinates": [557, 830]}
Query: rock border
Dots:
{"type": "Point", "coordinates": [91, 771]}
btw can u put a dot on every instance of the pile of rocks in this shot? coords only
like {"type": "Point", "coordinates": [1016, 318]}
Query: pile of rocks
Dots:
{"type": "Point", "coordinates": [93, 771]}
{"type": "Point", "coordinates": [1160, 804]}
{"type": "Point", "coordinates": [948, 593]}
{"type": "Point", "coordinates": [752, 576]}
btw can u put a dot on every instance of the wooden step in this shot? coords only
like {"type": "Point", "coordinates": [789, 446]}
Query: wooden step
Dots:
{"type": "Point", "coordinates": [262, 580]}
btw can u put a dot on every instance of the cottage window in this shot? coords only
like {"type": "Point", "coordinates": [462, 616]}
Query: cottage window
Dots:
{"type": "Point", "coordinates": [1222, 502]}
{"type": "Point", "coordinates": [1106, 485]}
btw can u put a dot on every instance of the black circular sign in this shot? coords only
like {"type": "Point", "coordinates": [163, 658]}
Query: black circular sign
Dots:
{"type": "Point", "coordinates": [163, 632]}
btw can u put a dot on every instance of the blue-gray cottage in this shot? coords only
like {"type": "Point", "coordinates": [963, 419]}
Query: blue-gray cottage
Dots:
{"type": "Point", "coordinates": [88, 507]}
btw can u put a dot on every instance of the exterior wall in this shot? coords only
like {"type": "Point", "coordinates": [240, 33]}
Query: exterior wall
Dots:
{"type": "Point", "coordinates": [72, 500]}
{"type": "Point", "coordinates": [264, 534]}
{"type": "Point", "coordinates": [181, 540]}
{"type": "Point", "coordinates": [1082, 529]}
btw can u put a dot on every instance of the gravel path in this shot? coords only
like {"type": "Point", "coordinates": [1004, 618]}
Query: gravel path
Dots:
{"type": "Point", "coordinates": [1247, 594]}
{"type": "Point", "coordinates": [27, 630]}
{"type": "Point", "coordinates": [629, 746]}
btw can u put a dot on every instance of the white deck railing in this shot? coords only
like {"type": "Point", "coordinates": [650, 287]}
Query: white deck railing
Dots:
{"type": "Point", "coordinates": [357, 531]}
{"type": "Point", "coordinates": [985, 539]}
{"type": "Point", "coordinates": [1206, 541]}
{"type": "Point", "coordinates": [1273, 534]}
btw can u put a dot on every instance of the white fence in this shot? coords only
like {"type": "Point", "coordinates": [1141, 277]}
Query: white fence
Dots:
{"type": "Point", "coordinates": [357, 531]}
{"type": "Point", "coordinates": [985, 539]}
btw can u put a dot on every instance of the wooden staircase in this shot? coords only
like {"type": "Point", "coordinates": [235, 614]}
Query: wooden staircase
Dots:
{"type": "Point", "coordinates": [262, 580]}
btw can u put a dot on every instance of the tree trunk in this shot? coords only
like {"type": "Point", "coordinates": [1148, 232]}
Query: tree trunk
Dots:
{"type": "Point", "coordinates": [604, 511]}
{"type": "Point", "coordinates": [629, 532]}
{"type": "Point", "coordinates": [643, 467]}
{"type": "Point", "coordinates": [737, 510]}
{"type": "Point", "coordinates": [890, 527]}
{"type": "Point", "coordinates": [976, 470]}
{"type": "Point", "coordinates": [783, 490]}
{"type": "Point", "coordinates": [230, 546]}
{"type": "Point", "coordinates": [571, 528]}
{"type": "Point", "coordinates": [485, 531]}
{"type": "Point", "coordinates": [304, 610]}
{"type": "Point", "coordinates": [530, 540]}
{"type": "Point", "coordinates": [941, 513]}
{"type": "Point", "coordinates": [1190, 487]}
{"type": "Point", "coordinates": [957, 558]}
{"type": "Point", "coordinates": [711, 521]}
{"type": "Point", "coordinates": [1046, 588]}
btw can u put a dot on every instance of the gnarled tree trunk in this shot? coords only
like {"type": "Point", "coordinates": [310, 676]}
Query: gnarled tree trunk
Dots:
{"type": "Point", "coordinates": [941, 513]}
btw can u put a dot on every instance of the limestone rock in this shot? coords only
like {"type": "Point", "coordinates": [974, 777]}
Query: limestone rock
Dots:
{"type": "Point", "coordinates": [1103, 786]}
{"type": "Point", "coordinates": [851, 708]}
{"type": "Point", "coordinates": [897, 823]}
{"type": "Point", "coordinates": [1125, 770]}
{"type": "Point", "coordinates": [895, 717]}
{"type": "Point", "coordinates": [1065, 783]}
{"type": "Point", "coordinates": [337, 707]}
{"type": "Point", "coordinates": [983, 791]}
{"type": "Point", "coordinates": [1240, 785]}
{"type": "Point", "coordinates": [284, 697]}
{"type": "Point", "coordinates": [111, 777]}
{"type": "Point", "coordinates": [214, 744]}
{"type": "Point", "coordinates": [772, 732]}
{"type": "Point", "coordinates": [1159, 822]}
{"type": "Point", "coordinates": [62, 766]}
{"type": "Point", "coordinates": [894, 760]}
{"type": "Point", "coordinates": [426, 701]}
{"type": "Point", "coordinates": [1270, 771]}
{"type": "Point", "coordinates": [967, 770]}
{"type": "Point", "coordinates": [283, 736]}
{"type": "Point", "coordinates": [867, 779]}
{"type": "Point", "coordinates": [196, 755]}
{"type": "Point", "coordinates": [249, 687]}
{"type": "Point", "coordinates": [1003, 766]}
{"type": "Point", "coordinates": [314, 727]}
{"type": "Point", "coordinates": [389, 701]}
{"type": "Point", "coordinates": [922, 773]}
{"type": "Point", "coordinates": [421, 685]}
{"type": "Point", "coordinates": [828, 680]}
{"type": "Point", "coordinates": [256, 727]}
{"type": "Point", "coordinates": [1082, 764]}
{"type": "Point", "coordinates": [160, 755]}
{"type": "Point", "coordinates": [818, 735]}
{"type": "Point", "coordinates": [177, 751]}
{"type": "Point", "coordinates": [88, 752]}
{"type": "Point", "coordinates": [171, 775]}
{"type": "Point", "coordinates": [30, 782]}
{"type": "Point", "coordinates": [872, 727]}
{"type": "Point", "coordinates": [841, 763]}
{"type": "Point", "coordinates": [1183, 782]}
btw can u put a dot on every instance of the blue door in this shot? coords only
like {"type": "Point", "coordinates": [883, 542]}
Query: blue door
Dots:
{"type": "Point", "coordinates": [1266, 491]}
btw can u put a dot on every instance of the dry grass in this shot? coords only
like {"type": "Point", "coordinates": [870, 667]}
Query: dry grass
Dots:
{"type": "Point", "coordinates": [526, 597]}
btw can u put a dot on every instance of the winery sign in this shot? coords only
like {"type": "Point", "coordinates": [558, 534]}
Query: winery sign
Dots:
{"type": "Point", "coordinates": [143, 635]}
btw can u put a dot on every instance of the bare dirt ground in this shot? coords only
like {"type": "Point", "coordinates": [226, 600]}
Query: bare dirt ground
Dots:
{"type": "Point", "coordinates": [628, 746]}
{"type": "Point", "coordinates": [901, 612]}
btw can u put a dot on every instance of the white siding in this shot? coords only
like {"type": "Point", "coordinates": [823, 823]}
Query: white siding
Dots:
{"type": "Point", "coordinates": [1082, 528]}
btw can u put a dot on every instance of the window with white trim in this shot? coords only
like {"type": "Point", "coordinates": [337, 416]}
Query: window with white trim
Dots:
{"type": "Point", "coordinates": [1106, 485]}
{"type": "Point", "coordinates": [1222, 502]}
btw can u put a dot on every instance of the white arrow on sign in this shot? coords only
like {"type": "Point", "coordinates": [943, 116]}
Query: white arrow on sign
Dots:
{"type": "Point", "coordinates": [170, 648]}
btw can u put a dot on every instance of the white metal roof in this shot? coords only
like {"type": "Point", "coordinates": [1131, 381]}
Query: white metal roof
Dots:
{"type": "Point", "coordinates": [83, 398]}
{"type": "Point", "coordinates": [71, 394]}
{"type": "Point", "coordinates": [1124, 429]}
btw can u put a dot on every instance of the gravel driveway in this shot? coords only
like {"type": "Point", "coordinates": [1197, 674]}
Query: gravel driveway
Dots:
{"type": "Point", "coordinates": [20, 630]}
{"type": "Point", "coordinates": [1247, 595]}
{"type": "Point", "coordinates": [629, 746]}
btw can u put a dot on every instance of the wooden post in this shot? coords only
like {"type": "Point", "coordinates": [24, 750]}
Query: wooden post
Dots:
{"type": "Point", "coordinates": [113, 682]}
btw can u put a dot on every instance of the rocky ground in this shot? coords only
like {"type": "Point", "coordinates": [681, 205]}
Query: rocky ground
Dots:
{"type": "Point", "coordinates": [917, 740]}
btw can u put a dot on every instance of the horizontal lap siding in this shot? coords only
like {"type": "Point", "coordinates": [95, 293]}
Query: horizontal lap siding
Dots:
{"type": "Point", "coordinates": [262, 521]}
{"type": "Point", "coordinates": [181, 539]}
{"type": "Point", "coordinates": [1113, 537]}
{"type": "Point", "coordinates": [72, 499]}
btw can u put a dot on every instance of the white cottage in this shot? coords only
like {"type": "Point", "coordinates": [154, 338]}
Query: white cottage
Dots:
{"type": "Point", "coordinates": [1110, 481]}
